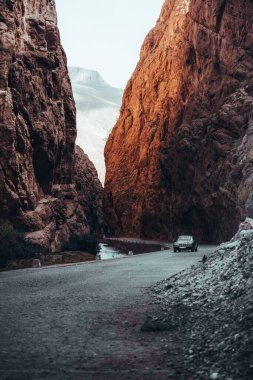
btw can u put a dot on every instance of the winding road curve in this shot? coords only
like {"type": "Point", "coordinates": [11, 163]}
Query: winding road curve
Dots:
{"type": "Point", "coordinates": [83, 321]}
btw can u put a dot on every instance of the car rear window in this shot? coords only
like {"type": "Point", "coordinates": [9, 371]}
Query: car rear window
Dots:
{"type": "Point", "coordinates": [185, 238]}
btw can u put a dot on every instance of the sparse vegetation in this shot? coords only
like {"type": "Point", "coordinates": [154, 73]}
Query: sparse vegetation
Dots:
{"type": "Point", "coordinates": [85, 243]}
{"type": "Point", "coordinates": [13, 245]}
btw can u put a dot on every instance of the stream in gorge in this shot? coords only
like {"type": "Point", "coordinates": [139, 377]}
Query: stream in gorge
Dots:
{"type": "Point", "coordinates": [108, 252]}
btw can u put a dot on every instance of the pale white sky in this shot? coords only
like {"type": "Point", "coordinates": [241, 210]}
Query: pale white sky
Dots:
{"type": "Point", "coordinates": [106, 35]}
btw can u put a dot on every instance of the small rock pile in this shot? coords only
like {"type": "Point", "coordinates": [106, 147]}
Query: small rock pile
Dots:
{"type": "Point", "coordinates": [211, 305]}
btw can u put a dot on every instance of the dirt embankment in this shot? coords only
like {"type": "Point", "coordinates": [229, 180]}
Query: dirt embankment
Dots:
{"type": "Point", "coordinates": [50, 259]}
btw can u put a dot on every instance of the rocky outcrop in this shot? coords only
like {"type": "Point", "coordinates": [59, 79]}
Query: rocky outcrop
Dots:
{"type": "Point", "coordinates": [89, 189]}
{"type": "Point", "coordinates": [180, 156]}
{"type": "Point", "coordinates": [38, 165]}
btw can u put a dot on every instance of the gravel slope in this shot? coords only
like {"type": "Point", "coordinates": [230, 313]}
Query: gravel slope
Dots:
{"type": "Point", "coordinates": [211, 306]}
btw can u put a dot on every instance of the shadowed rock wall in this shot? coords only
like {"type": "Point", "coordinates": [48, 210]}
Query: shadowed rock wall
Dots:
{"type": "Point", "coordinates": [38, 165]}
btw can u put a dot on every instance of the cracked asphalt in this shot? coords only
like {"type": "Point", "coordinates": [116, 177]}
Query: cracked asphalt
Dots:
{"type": "Point", "coordinates": [83, 321]}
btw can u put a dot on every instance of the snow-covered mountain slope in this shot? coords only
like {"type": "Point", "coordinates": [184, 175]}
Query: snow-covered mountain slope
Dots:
{"type": "Point", "coordinates": [97, 106]}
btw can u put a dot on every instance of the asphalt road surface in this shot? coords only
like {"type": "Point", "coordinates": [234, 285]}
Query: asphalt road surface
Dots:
{"type": "Point", "coordinates": [83, 321]}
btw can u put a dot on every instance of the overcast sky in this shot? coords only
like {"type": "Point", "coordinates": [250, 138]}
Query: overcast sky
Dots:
{"type": "Point", "coordinates": [106, 35]}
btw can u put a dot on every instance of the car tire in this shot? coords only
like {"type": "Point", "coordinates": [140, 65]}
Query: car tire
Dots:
{"type": "Point", "coordinates": [175, 250]}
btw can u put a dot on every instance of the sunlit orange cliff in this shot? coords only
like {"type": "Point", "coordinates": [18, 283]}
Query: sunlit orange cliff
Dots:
{"type": "Point", "coordinates": [180, 157]}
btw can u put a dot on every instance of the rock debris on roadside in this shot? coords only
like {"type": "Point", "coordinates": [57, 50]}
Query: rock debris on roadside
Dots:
{"type": "Point", "coordinates": [211, 305]}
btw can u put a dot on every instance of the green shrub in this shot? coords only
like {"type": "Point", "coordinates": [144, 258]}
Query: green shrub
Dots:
{"type": "Point", "coordinates": [13, 245]}
{"type": "Point", "coordinates": [84, 243]}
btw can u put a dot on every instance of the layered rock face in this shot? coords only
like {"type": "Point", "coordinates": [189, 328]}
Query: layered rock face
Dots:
{"type": "Point", "coordinates": [180, 158]}
{"type": "Point", "coordinates": [38, 164]}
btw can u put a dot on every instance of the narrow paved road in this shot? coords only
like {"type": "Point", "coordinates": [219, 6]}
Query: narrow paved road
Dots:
{"type": "Point", "coordinates": [83, 321]}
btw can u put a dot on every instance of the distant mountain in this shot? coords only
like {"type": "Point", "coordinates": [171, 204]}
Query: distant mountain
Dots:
{"type": "Point", "coordinates": [97, 106]}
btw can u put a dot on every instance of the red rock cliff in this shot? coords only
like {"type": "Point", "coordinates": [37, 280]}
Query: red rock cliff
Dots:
{"type": "Point", "coordinates": [38, 164]}
{"type": "Point", "coordinates": [179, 159]}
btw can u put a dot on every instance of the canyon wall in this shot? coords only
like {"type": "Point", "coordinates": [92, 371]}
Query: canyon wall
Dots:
{"type": "Point", "coordinates": [45, 189]}
{"type": "Point", "coordinates": [180, 158]}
